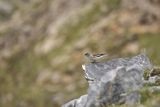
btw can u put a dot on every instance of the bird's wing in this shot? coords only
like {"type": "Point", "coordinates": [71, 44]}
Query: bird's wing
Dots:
{"type": "Point", "coordinates": [99, 55]}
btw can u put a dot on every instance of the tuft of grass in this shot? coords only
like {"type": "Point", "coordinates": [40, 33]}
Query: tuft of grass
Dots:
{"type": "Point", "coordinates": [150, 41]}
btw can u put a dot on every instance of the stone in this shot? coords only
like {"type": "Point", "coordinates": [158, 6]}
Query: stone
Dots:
{"type": "Point", "coordinates": [117, 81]}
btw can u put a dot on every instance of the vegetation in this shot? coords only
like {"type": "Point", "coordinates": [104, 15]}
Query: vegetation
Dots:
{"type": "Point", "coordinates": [42, 45]}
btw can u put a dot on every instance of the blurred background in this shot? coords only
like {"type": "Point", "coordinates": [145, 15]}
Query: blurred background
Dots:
{"type": "Point", "coordinates": [42, 43]}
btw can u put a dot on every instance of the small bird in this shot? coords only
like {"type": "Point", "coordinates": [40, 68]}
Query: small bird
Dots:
{"type": "Point", "coordinates": [94, 58]}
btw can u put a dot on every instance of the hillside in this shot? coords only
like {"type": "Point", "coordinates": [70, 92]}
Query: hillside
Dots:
{"type": "Point", "coordinates": [42, 45]}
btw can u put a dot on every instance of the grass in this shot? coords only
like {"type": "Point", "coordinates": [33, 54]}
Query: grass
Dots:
{"type": "Point", "coordinates": [151, 43]}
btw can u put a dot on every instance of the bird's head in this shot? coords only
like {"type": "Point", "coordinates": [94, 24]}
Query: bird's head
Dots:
{"type": "Point", "coordinates": [87, 54]}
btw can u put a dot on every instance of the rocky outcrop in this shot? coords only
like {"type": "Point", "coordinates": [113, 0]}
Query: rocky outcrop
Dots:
{"type": "Point", "coordinates": [113, 82]}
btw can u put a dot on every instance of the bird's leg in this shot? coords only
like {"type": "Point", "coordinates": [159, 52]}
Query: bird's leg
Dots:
{"type": "Point", "coordinates": [93, 61]}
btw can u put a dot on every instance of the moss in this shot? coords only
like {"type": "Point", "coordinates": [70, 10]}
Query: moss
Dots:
{"type": "Point", "coordinates": [148, 96]}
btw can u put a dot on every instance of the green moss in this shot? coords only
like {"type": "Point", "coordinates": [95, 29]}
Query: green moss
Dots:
{"type": "Point", "coordinates": [148, 96]}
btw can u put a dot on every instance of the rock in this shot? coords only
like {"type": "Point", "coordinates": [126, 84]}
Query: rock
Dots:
{"type": "Point", "coordinates": [77, 102]}
{"type": "Point", "coordinates": [113, 82]}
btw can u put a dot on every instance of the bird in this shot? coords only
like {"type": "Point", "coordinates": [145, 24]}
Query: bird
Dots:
{"type": "Point", "coordinates": [94, 58]}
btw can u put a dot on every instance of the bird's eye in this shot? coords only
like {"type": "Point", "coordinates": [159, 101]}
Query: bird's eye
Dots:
{"type": "Point", "coordinates": [86, 54]}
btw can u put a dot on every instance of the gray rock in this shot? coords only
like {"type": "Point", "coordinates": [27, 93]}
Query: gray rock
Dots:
{"type": "Point", "coordinates": [77, 102]}
{"type": "Point", "coordinates": [113, 82]}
